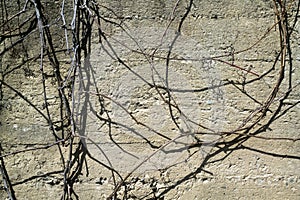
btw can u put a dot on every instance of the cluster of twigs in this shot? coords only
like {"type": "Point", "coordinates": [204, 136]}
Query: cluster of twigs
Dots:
{"type": "Point", "coordinates": [77, 22]}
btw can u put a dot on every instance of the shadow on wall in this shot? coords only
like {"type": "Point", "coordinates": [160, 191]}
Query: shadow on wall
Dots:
{"type": "Point", "coordinates": [141, 101]}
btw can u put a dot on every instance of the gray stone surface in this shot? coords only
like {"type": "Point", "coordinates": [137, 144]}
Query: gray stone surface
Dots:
{"type": "Point", "coordinates": [254, 169]}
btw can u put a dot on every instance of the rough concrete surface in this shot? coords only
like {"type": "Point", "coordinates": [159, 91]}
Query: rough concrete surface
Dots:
{"type": "Point", "coordinates": [256, 168]}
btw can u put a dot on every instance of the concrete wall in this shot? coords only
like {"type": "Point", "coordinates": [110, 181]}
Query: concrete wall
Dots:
{"type": "Point", "coordinates": [253, 168]}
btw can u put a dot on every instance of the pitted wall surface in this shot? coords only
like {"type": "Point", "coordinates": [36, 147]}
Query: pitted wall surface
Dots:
{"type": "Point", "coordinates": [256, 168]}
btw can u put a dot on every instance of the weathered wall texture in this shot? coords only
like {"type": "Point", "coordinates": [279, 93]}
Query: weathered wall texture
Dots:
{"type": "Point", "coordinates": [252, 169]}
